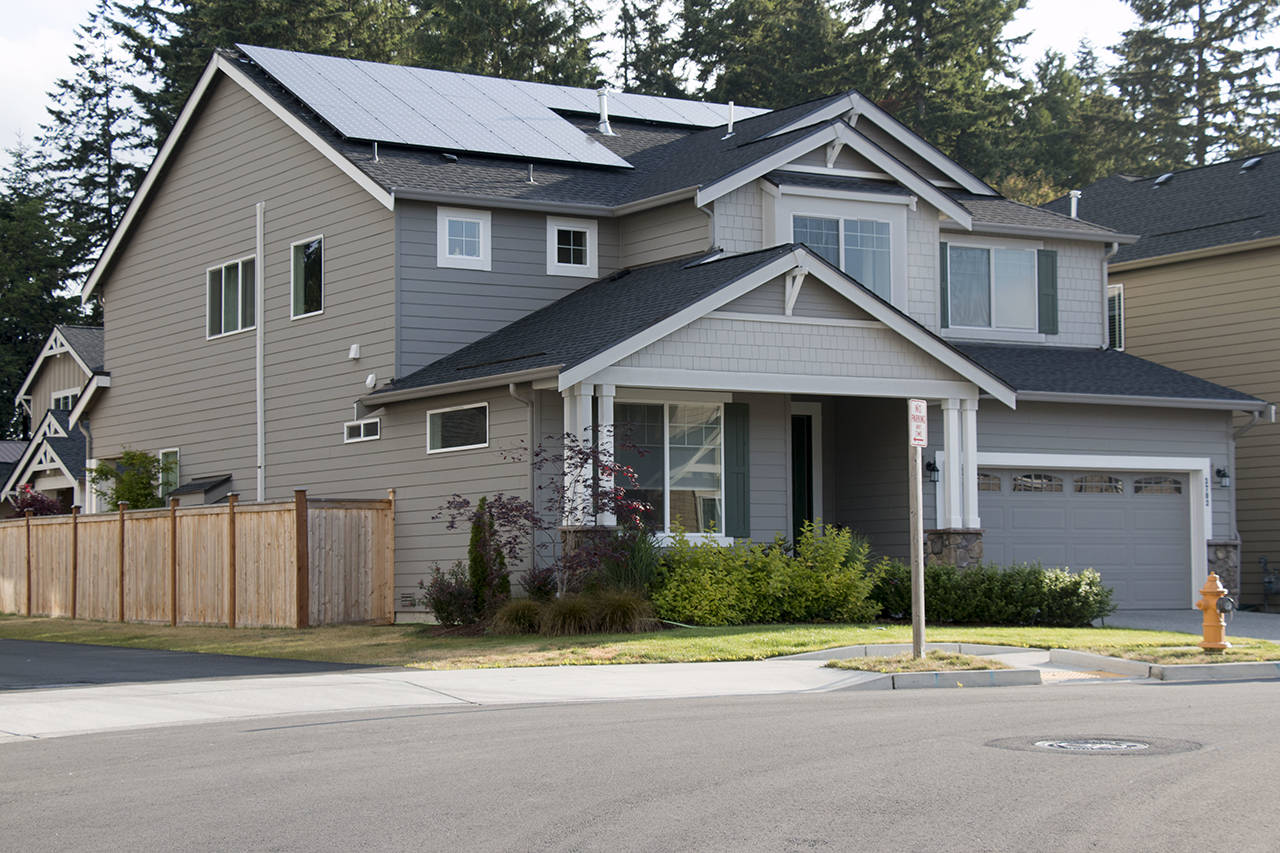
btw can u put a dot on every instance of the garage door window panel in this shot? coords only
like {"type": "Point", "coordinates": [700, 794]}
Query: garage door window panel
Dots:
{"type": "Point", "coordinates": [988, 482]}
{"type": "Point", "coordinates": [1037, 482]}
{"type": "Point", "coordinates": [1157, 486]}
{"type": "Point", "coordinates": [1099, 484]}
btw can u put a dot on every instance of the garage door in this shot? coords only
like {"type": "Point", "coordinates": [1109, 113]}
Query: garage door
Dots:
{"type": "Point", "coordinates": [1130, 526]}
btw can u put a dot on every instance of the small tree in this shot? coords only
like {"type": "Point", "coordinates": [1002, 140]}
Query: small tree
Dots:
{"type": "Point", "coordinates": [133, 479]}
{"type": "Point", "coordinates": [487, 563]}
{"type": "Point", "coordinates": [27, 498]}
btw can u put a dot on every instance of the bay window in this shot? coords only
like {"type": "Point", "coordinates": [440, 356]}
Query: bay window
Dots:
{"type": "Point", "coordinates": [677, 453]}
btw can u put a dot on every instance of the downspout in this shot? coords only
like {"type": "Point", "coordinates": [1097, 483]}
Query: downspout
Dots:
{"type": "Point", "coordinates": [259, 340]}
{"type": "Point", "coordinates": [1112, 248]}
{"type": "Point", "coordinates": [87, 501]}
{"type": "Point", "coordinates": [529, 406]}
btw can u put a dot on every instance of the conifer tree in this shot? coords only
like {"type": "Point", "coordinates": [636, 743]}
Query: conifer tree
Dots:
{"type": "Point", "coordinates": [650, 53]}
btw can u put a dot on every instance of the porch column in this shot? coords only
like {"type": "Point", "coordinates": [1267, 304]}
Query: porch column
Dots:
{"type": "Point", "coordinates": [577, 428]}
{"type": "Point", "coordinates": [952, 514]}
{"type": "Point", "coordinates": [604, 442]}
{"type": "Point", "coordinates": [969, 408]}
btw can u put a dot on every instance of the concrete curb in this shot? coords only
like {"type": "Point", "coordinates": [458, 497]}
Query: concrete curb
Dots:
{"type": "Point", "coordinates": [960, 678]}
{"type": "Point", "coordinates": [1120, 666]}
{"type": "Point", "coordinates": [1216, 671]}
{"type": "Point", "coordinates": [879, 649]}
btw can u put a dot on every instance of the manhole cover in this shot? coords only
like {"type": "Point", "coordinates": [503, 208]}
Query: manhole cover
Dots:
{"type": "Point", "coordinates": [1096, 745]}
{"type": "Point", "coordinates": [1091, 744]}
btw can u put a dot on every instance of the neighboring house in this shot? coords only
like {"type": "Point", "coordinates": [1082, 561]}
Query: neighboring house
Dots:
{"type": "Point", "coordinates": [60, 384]}
{"type": "Point", "coordinates": [346, 277]}
{"type": "Point", "coordinates": [1200, 292]}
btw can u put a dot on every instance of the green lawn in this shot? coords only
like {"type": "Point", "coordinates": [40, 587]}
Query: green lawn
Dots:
{"type": "Point", "coordinates": [421, 646]}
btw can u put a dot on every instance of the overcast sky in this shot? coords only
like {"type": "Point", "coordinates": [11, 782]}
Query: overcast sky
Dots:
{"type": "Point", "coordinates": [37, 38]}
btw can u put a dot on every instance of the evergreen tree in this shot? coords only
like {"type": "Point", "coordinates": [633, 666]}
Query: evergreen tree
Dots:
{"type": "Point", "coordinates": [94, 148]}
{"type": "Point", "coordinates": [650, 55]}
{"type": "Point", "coordinates": [32, 300]}
{"type": "Point", "coordinates": [1196, 75]}
{"type": "Point", "coordinates": [545, 41]}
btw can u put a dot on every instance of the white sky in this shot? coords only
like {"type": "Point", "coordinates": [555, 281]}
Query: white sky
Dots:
{"type": "Point", "coordinates": [37, 37]}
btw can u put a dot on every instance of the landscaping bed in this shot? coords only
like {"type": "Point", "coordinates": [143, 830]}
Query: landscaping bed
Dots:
{"type": "Point", "coordinates": [931, 662]}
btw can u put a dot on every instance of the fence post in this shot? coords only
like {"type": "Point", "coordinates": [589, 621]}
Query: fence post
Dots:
{"type": "Point", "coordinates": [390, 577]}
{"type": "Point", "coordinates": [173, 561]}
{"type": "Point", "coordinates": [28, 515]}
{"type": "Point", "coordinates": [122, 506]}
{"type": "Point", "coordinates": [231, 559]}
{"type": "Point", "coordinates": [75, 557]}
{"type": "Point", "coordinates": [303, 552]}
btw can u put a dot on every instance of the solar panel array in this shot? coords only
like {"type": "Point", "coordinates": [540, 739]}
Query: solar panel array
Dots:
{"type": "Point", "coordinates": [465, 112]}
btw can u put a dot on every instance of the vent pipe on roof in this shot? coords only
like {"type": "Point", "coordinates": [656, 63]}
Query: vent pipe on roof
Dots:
{"type": "Point", "coordinates": [1075, 203]}
{"type": "Point", "coordinates": [730, 130]}
{"type": "Point", "coordinates": [375, 152]}
{"type": "Point", "coordinates": [603, 124]}
{"type": "Point", "coordinates": [530, 180]}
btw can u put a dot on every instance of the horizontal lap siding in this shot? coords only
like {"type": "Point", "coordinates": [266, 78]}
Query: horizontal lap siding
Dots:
{"type": "Point", "coordinates": [1216, 318]}
{"type": "Point", "coordinates": [670, 231]}
{"type": "Point", "coordinates": [441, 309]}
{"type": "Point", "coordinates": [769, 459]}
{"type": "Point", "coordinates": [867, 463]}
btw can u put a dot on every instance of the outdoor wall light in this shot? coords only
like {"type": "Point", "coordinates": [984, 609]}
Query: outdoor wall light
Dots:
{"type": "Point", "coordinates": [932, 468]}
{"type": "Point", "coordinates": [1224, 477]}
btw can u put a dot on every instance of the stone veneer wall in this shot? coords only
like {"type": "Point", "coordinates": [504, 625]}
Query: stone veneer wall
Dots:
{"type": "Point", "coordinates": [959, 548]}
{"type": "Point", "coordinates": [1224, 558]}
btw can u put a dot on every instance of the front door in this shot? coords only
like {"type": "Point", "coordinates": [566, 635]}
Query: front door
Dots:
{"type": "Point", "coordinates": [801, 472]}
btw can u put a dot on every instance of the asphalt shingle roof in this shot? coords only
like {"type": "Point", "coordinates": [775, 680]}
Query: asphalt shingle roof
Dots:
{"type": "Point", "coordinates": [1194, 209]}
{"type": "Point", "coordinates": [591, 319]}
{"type": "Point", "coordinates": [11, 451]}
{"type": "Point", "coordinates": [1073, 370]}
{"type": "Point", "coordinates": [88, 342]}
{"type": "Point", "coordinates": [1003, 211]}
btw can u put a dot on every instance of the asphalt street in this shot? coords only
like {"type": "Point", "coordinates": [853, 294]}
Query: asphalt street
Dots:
{"type": "Point", "coordinates": [835, 771]}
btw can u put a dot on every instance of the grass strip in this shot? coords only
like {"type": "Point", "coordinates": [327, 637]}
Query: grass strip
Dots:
{"type": "Point", "coordinates": [931, 662]}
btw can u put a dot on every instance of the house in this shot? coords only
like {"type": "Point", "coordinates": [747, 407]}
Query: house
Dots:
{"type": "Point", "coordinates": [345, 277]}
{"type": "Point", "coordinates": [1199, 292]}
{"type": "Point", "coordinates": [59, 385]}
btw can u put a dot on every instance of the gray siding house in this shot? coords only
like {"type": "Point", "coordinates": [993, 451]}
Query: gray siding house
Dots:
{"type": "Point", "coordinates": [348, 277]}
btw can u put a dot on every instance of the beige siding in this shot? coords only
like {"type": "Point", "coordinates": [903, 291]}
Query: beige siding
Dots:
{"type": "Point", "coordinates": [671, 231]}
{"type": "Point", "coordinates": [58, 373]}
{"type": "Point", "coordinates": [1216, 318]}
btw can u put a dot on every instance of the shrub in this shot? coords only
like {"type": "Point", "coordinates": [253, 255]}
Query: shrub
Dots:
{"type": "Point", "coordinates": [539, 582]}
{"type": "Point", "coordinates": [450, 597]}
{"type": "Point", "coordinates": [620, 612]}
{"type": "Point", "coordinates": [567, 616]}
{"type": "Point", "coordinates": [26, 498]}
{"type": "Point", "coordinates": [521, 616]}
{"type": "Point", "coordinates": [1018, 595]}
{"type": "Point", "coordinates": [486, 563]}
{"type": "Point", "coordinates": [133, 479]}
{"type": "Point", "coordinates": [827, 580]}
{"type": "Point", "coordinates": [701, 583]}
{"type": "Point", "coordinates": [633, 563]}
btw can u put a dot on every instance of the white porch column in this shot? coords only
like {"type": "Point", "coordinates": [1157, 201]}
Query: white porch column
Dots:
{"type": "Point", "coordinates": [577, 428]}
{"type": "Point", "coordinates": [952, 514]}
{"type": "Point", "coordinates": [969, 408]}
{"type": "Point", "coordinates": [604, 440]}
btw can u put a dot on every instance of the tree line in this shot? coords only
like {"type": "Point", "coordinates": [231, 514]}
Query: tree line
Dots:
{"type": "Point", "coordinates": [1192, 82]}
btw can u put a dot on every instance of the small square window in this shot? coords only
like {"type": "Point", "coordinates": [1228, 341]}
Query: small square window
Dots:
{"type": "Point", "coordinates": [463, 238]}
{"type": "Point", "coordinates": [365, 430]}
{"type": "Point", "coordinates": [458, 429]}
{"type": "Point", "coordinates": [572, 247]}
{"type": "Point", "coordinates": [308, 277]}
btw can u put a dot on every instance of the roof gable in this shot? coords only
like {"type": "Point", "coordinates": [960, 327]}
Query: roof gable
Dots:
{"type": "Point", "coordinates": [84, 344]}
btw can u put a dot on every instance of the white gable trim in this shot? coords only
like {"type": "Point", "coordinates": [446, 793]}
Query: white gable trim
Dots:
{"type": "Point", "coordinates": [761, 167]}
{"type": "Point", "coordinates": [55, 345]}
{"type": "Point", "coordinates": [27, 461]}
{"type": "Point", "coordinates": [804, 260]}
{"type": "Point", "coordinates": [100, 380]}
{"type": "Point", "coordinates": [220, 64]}
{"type": "Point", "coordinates": [862, 107]}
{"type": "Point", "coordinates": [895, 168]}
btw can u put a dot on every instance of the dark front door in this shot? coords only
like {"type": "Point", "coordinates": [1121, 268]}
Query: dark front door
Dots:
{"type": "Point", "coordinates": [801, 472]}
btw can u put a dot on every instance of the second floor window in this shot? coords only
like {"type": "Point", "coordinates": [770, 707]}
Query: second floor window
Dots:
{"type": "Point", "coordinates": [231, 297]}
{"type": "Point", "coordinates": [463, 238]}
{"type": "Point", "coordinates": [1115, 316]}
{"type": "Point", "coordinates": [860, 247]}
{"type": "Point", "coordinates": [571, 247]}
{"type": "Point", "coordinates": [308, 277]}
{"type": "Point", "coordinates": [992, 288]}
{"type": "Point", "coordinates": [64, 401]}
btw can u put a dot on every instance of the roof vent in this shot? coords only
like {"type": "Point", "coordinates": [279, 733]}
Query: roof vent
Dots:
{"type": "Point", "coordinates": [449, 158]}
{"type": "Point", "coordinates": [1251, 163]}
{"type": "Point", "coordinates": [1075, 203]}
{"type": "Point", "coordinates": [603, 124]}
{"type": "Point", "coordinates": [729, 131]}
{"type": "Point", "coordinates": [1164, 179]}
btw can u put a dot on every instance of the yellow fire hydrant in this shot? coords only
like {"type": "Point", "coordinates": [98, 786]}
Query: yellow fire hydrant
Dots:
{"type": "Point", "coordinates": [1215, 623]}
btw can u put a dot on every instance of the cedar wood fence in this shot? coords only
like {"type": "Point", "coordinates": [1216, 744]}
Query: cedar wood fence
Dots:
{"type": "Point", "coordinates": [285, 563]}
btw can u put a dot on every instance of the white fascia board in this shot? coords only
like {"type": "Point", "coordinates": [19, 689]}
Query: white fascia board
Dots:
{"type": "Point", "coordinates": [220, 64]}
{"type": "Point", "coordinates": [1043, 233]}
{"type": "Point", "coordinates": [867, 109]}
{"type": "Point", "coordinates": [1156, 402]}
{"type": "Point", "coordinates": [383, 398]}
{"type": "Point", "coordinates": [32, 446]}
{"type": "Point", "coordinates": [902, 173]}
{"type": "Point", "coordinates": [100, 380]}
{"type": "Point", "coordinates": [761, 167]}
{"type": "Point", "coordinates": [906, 328]}
{"type": "Point", "coordinates": [48, 351]}
{"type": "Point", "coordinates": [783, 383]}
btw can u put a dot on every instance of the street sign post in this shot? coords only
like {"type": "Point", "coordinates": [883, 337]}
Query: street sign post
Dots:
{"type": "Point", "coordinates": [918, 437]}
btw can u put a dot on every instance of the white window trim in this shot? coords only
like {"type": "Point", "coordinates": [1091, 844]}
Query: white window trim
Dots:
{"type": "Point", "coordinates": [792, 204]}
{"type": "Point", "coordinates": [361, 422]}
{"type": "Point", "coordinates": [74, 393]}
{"type": "Point", "coordinates": [323, 264]}
{"type": "Point", "coordinates": [1196, 469]}
{"type": "Point", "coordinates": [588, 270]}
{"type": "Point", "coordinates": [177, 453]}
{"type": "Point", "coordinates": [1004, 333]}
{"type": "Point", "coordinates": [240, 263]}
{"type": "Point", "coordinates": [1115, 290]}
{"type": "Point", "coordinates": [431, 412]}
{"type": "Point", "coordinates": [444, 259]}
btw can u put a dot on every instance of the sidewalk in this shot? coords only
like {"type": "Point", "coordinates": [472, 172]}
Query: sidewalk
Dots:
{"type": "Point", "coordinates": [1245, 623]}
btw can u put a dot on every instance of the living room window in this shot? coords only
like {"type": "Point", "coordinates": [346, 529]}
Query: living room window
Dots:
{"type": "Point", "coordinates": [230, 298]}
{"type": "Point", "coordinates": [463, 238]}
{"type": "Point", "coordinates": [458, 428]}
{"type": "Point", "coordinates": [860, 247]}
{"type": "Point", "coordinates": [308, 277]}
{"type": "Point", "coordinates": [571, 247]}
{"type": "Point", "coordinates": [992, 288]}
{"type": "Point", "coordinates": [676, 451]}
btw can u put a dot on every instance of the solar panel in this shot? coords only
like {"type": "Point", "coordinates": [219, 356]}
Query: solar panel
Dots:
{"type": "Point", "coordinates": [466, 112]}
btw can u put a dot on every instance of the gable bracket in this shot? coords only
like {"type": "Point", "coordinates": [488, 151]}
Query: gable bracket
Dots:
{"type": "Point", "coordinates": [833, 151]}
{"type": "Point", "coordinates": [794, 281]}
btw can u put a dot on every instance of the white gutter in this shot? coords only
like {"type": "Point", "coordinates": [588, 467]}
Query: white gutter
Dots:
{"type": "Point", "coordinates": [259, 372]}
{"type": "Point", "coordinates": [600, 210]}
{"type": "Point", "coordinates": [1158, 402]}
{"type": "Point", "coordinates": [1050, 233]}
{"type": "Point", "coordinates": [383, 397]}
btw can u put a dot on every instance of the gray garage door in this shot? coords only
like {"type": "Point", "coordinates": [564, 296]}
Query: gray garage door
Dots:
{"type": "Point", "coordinates": [1131, 527]}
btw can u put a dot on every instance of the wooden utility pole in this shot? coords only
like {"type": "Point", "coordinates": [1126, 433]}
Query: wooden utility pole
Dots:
{"type": "Point", "coordinates": [173, 561]}
{"type": "Point", "coordinates": [231, 559]}
{"type": "Point", "coordinates": [302, 559]}
{"type": "Point", "coordinates": [75, 557]}
{"type": "Point", "coordinates": [121, 507]}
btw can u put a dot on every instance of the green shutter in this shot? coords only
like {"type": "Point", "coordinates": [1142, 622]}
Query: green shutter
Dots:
{"type": "Point", "coordinates": [737, 471]}
{"type": "Point", "coordinates": [1047, 276]}
{"type": "Point", "coordinates": [942, 285]}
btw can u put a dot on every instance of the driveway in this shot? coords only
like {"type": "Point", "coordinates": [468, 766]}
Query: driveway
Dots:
{"type": "Point", "coordinates": [1259, 626]}
{"type": "Point", "coordinates": [28, 665]}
